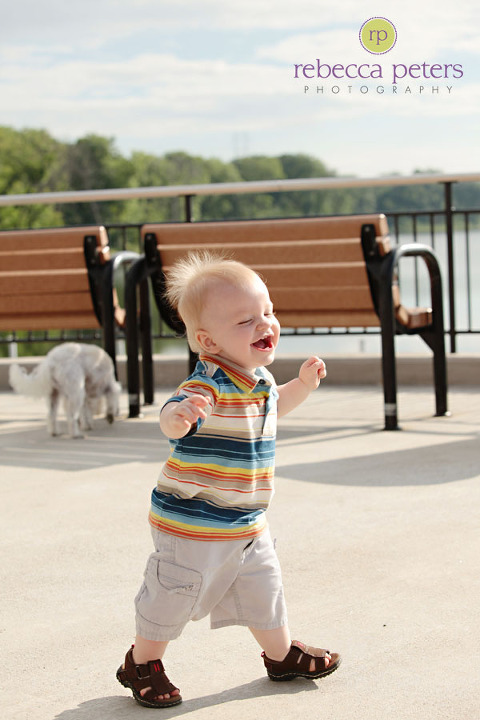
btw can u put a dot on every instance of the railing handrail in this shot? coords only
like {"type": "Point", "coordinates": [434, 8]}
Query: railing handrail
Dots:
{"type": "Point", "coordinates": [234, 188]}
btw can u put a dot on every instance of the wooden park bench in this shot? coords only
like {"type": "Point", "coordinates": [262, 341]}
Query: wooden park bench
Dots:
{"type": "Point", "coordinates": [326, 272]}
{"type": "Point", "coordinates": [60, 279]}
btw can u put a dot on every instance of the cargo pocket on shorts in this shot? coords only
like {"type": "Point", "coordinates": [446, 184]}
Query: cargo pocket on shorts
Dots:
{"type": "Point", "coordinates": [169, 592]}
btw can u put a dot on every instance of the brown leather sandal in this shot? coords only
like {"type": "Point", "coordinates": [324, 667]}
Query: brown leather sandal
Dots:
{"type": "Point", "coordinates": [297, 663]}
{"type": "Point", "coordinates": [150, 675]}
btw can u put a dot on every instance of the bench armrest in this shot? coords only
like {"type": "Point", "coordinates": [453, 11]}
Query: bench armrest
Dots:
{"type": "Point", "coordinates": [427, 254]}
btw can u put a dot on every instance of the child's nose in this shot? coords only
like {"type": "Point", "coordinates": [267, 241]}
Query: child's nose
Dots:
{"type": "Point", "coordinates": [264, 323]}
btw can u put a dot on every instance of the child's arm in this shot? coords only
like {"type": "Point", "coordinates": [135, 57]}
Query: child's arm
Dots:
{"type": "Point", "coordinates": [177, 418]}
{"type": "Point", "coordinates": [297, 390]}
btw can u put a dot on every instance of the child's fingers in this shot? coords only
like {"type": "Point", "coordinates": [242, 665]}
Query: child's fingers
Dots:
{"type": "Point", "coordinates": [322, 369]}
{"type": "Point", "coordinates": [187, 414]}
{"type": "Point", "coordinates": [201, 401]}
{"type": "Point", "coordinates": [193, 407]}
{"type": "Point", "coordinates": [318, 364]}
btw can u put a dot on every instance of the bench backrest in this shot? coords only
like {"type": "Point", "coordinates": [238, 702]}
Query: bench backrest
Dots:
{"type": "Point", "coordinates": [44, 280]}
{"type": "Point", "coordinates": [314, 267]}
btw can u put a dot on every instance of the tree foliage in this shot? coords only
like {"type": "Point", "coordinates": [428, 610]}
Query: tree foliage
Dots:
{"type": "Point", "coordinates": [31, 161]}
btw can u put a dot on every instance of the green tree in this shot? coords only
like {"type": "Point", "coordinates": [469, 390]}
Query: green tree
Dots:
{"type": "Point", "coordinates": [178, 168]}
{"type": "Point", "coordinates": [212, 207]}
{"type": "Point", "coordinates": [309, 202]}
{"type": "Point", "coordinates": [183, 169]}
{"type": "Point", "coordinates": [148, 171]}
{"type": "Point", "coordinates": [30, 162]}
{"type": "Point", "coordinates": [259, 167]}
{"type": "Point", "coordinates": [251, 169]}
{"type": "Point", "coordinates": [93, 163]}
{"type": "Point", "coordinates": [466, 196]}
{"type": "Point", "coordinates": [398, 198]}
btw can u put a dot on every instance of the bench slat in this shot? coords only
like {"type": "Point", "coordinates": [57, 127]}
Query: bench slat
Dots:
{"type": "Point", "coordinates": [50, 321]}
{"type": "Point", "coordinates": [313, 275]}
{"type": "Point", "coordinates": [303, 299]}
{"type": "Point", "coordinates": [51, 238]}
{"type": "Point", "coordinates": [293, 277]}
{"type": "Point", "coordinates": [31, 284]}
{"type": "Point", "coordinates": [328, 319]}
{"type": "Point", "coordinates": [301, 251]}
{"type": "Point", "coordinates": [36, 305]}
{"type": "Point", "coordinates": [42, 259]}
{"type": "Point", "coordinates": [254, 231]}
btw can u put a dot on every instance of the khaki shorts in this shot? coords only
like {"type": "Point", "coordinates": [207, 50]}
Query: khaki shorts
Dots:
{"type": "Point", "coordinates": [237, 582]}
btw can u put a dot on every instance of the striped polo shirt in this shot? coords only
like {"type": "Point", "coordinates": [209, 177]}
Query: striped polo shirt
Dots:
{"type": "Point", "coordinates": [218, 480]}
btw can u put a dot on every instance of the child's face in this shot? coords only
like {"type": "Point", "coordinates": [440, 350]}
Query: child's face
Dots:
{"type": "Point", "coordinates": [238, 324]}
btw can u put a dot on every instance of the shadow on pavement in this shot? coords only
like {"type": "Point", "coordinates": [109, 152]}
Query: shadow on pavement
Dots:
{"type": "Point", "coordinates": [427, 465]}
{"type": "Point", "coordinates": [108, 708]}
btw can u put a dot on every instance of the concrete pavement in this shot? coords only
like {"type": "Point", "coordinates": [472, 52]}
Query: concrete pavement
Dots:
{"type": "Point", "coordinates": [377, 532]}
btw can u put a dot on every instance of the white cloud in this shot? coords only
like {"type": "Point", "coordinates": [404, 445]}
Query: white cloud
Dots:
{"type": "Point", "coordinates": [156, 77]}
{"type": "Point", "coordinates": [154, 94]}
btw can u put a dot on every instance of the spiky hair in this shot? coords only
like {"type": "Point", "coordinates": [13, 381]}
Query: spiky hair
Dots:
{"type": "Point", "coordinates": [190, 278]}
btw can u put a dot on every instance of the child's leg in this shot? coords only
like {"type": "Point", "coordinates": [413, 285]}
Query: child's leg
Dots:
{"type": "Point", "coordinates": [276, 644]}
{"type": "Point", "coordinates": [146, 650]}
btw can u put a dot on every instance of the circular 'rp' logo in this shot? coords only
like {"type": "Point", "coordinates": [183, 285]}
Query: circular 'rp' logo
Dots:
{"type": "Point", "coordinates": [378, 35]}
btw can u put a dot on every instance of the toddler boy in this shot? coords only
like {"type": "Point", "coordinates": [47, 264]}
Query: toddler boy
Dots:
{"type": "Point", "coordinates": [213, 550]}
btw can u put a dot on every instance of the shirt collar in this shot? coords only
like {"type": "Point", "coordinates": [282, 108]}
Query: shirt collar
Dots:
{"type": "Point", "coordinates": [242, 378]}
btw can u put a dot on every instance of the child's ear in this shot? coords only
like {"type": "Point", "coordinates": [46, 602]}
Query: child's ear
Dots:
{"type": "Point", "coordinates": [206, 342]}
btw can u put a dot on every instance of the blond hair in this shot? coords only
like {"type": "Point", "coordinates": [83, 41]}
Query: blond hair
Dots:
{"type": "Point", "coordinates": [191, 278]}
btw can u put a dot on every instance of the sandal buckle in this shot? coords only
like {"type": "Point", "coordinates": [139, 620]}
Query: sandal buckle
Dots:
{"type": "Point", "coordinates": [139, 675]}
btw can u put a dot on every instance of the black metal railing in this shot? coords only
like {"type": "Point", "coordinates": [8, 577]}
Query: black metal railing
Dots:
{"type": "Point", "coordinates": [455, 237]}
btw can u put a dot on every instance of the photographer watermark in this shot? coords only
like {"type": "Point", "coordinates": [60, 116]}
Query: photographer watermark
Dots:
{"type": "Point", "coordinates": [377, 36]}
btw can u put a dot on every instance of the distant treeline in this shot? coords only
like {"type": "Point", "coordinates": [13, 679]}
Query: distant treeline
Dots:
{"type": "Point", "coordinates": [32, 161]}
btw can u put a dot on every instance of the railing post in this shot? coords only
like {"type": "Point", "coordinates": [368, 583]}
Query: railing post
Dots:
{"type": "Point", "coordinates": [146, 342]}
{"type": "Point", "coordinates": [451, 268]}
{"type": "Point", "coordinates": [188, 208]}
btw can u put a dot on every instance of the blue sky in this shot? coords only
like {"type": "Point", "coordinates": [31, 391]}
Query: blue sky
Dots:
{"type": "Point", "coordinates": [216, 78]}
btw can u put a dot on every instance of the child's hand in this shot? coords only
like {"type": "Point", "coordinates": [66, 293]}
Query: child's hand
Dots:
{"type": "Point", "coordinates": [177, 418]}
{"type": "Point", "coordinates": [297, 390]}
{"type": "Point", "coordinates": [312, 371]}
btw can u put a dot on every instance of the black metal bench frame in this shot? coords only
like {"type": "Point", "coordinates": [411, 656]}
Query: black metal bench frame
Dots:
{"type": "Point", "coordinates": [101, 278]}
{"type": "Point", "coordinates": [382, 274]}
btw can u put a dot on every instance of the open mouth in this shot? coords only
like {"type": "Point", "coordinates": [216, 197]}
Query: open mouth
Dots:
{"type": "Point", "coordinates": [265, 343]}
